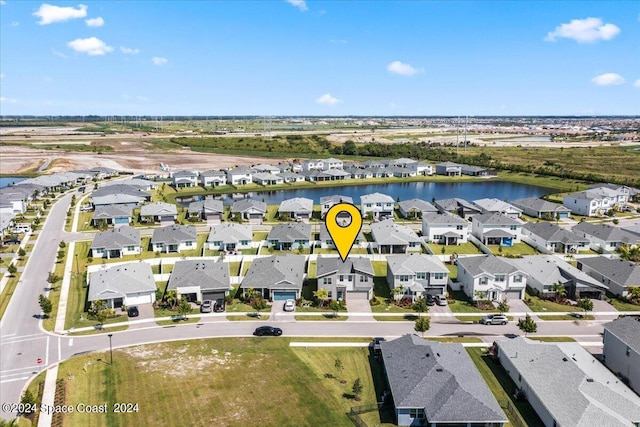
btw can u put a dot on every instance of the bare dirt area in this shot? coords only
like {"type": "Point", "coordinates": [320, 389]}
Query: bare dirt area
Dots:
{"type": "Point", "coordinates": [133, 156]}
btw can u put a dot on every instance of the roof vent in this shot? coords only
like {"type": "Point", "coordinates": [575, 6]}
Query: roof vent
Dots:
{"type": "Point", "coordinates": [564, 359]}
{"type": "Point", "coordinates": [439, 369]}
{"type": "Point", "coordinates": [589, 380]}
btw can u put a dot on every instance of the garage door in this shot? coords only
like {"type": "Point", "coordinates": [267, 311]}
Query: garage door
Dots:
{"type": "Point", "coordinates": [139, 299]}
{"type": "Point", "coordinates": [166, 218]}
{"type": "Point", "coordinates": [512, 294]}
{"type": "Point", "coordinates": [357, 295]}
{"type": "Point", "coordinates": [563, 215]}
{"type": "Point", "coordinates": [212, 295]}
{"type": "Point", "coordinates": [122, 220]}
{"type": "Point", "coordinates": [283, 295]}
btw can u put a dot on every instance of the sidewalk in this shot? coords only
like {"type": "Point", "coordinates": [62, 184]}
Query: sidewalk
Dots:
{"type": "Point", "coordinates": [14, 259]}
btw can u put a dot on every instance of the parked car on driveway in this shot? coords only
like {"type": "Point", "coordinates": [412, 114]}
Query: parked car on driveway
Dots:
{"type": "Point", "coordinates": [206, 307]}
{"type": "Point", "coordinates": [494, 319]}
{"type": "Point", "coordinates": [133, 311]}
{"type": "Point", "coordinates": [431, 300]}
{"type": "Point", "coordinates": [289, 305]}
{"type": "Point", "coordinates": [267, 330]}
{"type": "Point", "coordinates": [219, 305]}
{"type": "Point", "coordinates": [441, 300]}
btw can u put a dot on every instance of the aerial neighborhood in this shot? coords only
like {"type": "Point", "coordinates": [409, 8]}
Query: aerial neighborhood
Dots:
{"type": "Point", "coordinates": [165, 246]}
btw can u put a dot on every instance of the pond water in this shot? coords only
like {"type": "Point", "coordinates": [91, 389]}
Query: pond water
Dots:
{"type": "Point", "coordinates": [5, 181]}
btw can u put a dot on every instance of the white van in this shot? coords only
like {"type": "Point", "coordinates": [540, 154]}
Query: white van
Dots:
{"type": "Point", "coordinates": [21, 228]}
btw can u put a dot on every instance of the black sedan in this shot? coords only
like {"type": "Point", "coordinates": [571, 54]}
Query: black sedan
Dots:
{"type": "Point", "coordinates": [267, 330]}
{"type": "Point", "coordinates": [133, 311]}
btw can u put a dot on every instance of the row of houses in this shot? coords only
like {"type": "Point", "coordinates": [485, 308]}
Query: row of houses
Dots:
{"type": "Point", "coordinates": [598, 199]}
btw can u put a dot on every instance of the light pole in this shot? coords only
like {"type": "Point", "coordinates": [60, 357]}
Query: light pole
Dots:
{"type": "Point", "coordinates": [77, 265]}
{"type": "Point", "coordinates": [110, 350]}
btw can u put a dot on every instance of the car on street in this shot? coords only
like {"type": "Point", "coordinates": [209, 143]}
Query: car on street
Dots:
{"type": "Point", "coordinates": [267, 330]}
{"type": "Point", "coordinates": [11, 241]}
{"type": "Point", "coordinates": [219, 305]}
{"type": "Point", "coordinates": [207, 306]}
{"type": "Point", "coordinates": [441, 300]}
{"type": "Point", "coordinates": [289, 305]}
{"type": "Point", "coordinates": [494, 319]}
{"type": "Point", "coordinates": [133, 311]}
{"type": "Point", "coordinates": [431, 300]}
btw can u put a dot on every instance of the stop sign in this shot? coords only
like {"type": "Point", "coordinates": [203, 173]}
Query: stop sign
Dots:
{"type": "Point", "coordinates": [39, 361]}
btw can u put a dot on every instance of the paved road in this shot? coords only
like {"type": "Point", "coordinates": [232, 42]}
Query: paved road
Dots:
{"type": "Point", "coordinates": [22, 340]}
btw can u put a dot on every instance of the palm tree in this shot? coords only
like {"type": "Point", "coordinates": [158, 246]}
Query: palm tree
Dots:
{"type": "Point", "coordinates": [398, 291]}
{"type": "Point", "coordinates": [559, 290]}
{"type": "Point", "coordinates": [322, 295]}
{"type": "Point", "coordinates": [630, 253]}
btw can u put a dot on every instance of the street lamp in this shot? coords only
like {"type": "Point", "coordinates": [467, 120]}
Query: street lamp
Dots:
{"type": "Point", "coordinates": [110, 350]}
{"type": "Point", "coordinates": [77, 265]}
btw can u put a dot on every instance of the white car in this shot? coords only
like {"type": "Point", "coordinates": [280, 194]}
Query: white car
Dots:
{"type": "Point", "coordinates": [289, 305]}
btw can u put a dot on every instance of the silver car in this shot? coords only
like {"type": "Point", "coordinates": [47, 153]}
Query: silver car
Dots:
{"type": "Point", "coordinates": [494, 319]}
{"type": "Point", "coordinates": [289, 305]}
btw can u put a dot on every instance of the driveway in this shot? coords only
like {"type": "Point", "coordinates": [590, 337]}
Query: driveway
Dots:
{"type": "Point", "coordinates": [603, 306]}
{"type": "Point", "coordinates": [146, 312]}
{"type": "Point", "coordinates": [278, 313]}
{"type": "Point", "coordinates": [359, 309]}
{"type": "Point", "coordinates": [518, 306]}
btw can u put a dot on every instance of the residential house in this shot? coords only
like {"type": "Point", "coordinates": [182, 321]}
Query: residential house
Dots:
{"type": "Point", "coordinates": [496, 229]}
{"type": "Point", "coordinates": [209, 209]}
{"type": "Point", "coordinates": [604, 237]}
{"type": "Point", "coordinates": [337, 174]}
{"type": "Point", "coordinates": [392, 238]}
{"type": "Point", "coordinates": [359, 173]}
{"type": "Point", "coordinates": [263, 167]}
{"type": "Point", "coordinates": [326, 241]}
{"type": "Point", "coordinates": [116, 243]}
{"type": "Point", "coordinates": [13, 202]}
{"type": "Point", "coordinates": [124, 284]}
{"type": "Point", "coordinates": [230, 237]}
{"type": "Point", "coordinates": [290, 177]}
{"type": "Point", "coordinates": [402, 162]}
{"type": "Point", "coordinates": [376, 205]}
{"type": "Point", "coordinates": [298, 208]}
{"type": "Point", "coordinates": [290, 236]}
{"type": "Point", "coordinates": [417, 274]}
{"type": "Point", "coordinates": [415, 208]}
{"type": "Point", "coordinates": [621, 192]}
{"type": "Point", "coordinates": [544, 271]}
{"type": "Point", "coordinates": [174, 238]}
{"type": "Point", "coordinates": [539, 208]}
{"type": "Point", "coordinates": [266, 178]}
{"type": "Point", "coordinates": [311, 165]}
{"type": "Point", "coordinates": [112, 215]}
{"type": "Point", "coordinates": [621, 352]}
{"type": "Point", "coordinates": [128, 200]}
{"type": "Point", "coordinates": [239, 176]}
{"type": "Point", "coordinates": [332, 163]}
{"type": "Point", "coordinates": [421, 168]}
{"type": "Point", "coordinates": [6, 223]}
{"type": "Point", "coordinates": [400, 172]}
{"type": "Point", "coordinates": [316, 176]}
{"type": "Point", "coordinates": [448, 169]}
{"type": "Point", "coordinates": [200, 280]}
{"type": "Point", "coordinates": [457, 206]}
{"type": "Point", "coordinates": [633, 228]}
{"type": "Point", "coordinates": [444, 229]}
{"type": "Point", "coordinates": [476, 171]}
{"type": "Point", "coordinates": [595, 201]}
{"type": "Point", "coordinates": [185, 179]}
{"type": "Point", "coordinates": [490, 277]}
{"type": "Point", "coordinates": [351, 279]}
{"type": "Point", "coordinates": [139, 183]}
{"type": "Point", "coordinates": [566, 385]}
{"type": "Point", "coordinates": [249, 210]}
{"type": "Point", "coordinates": [213, 178]}
{"type": "Point", "coordinates": [277, 278]}
{"type": "Point", "coordinates": [617, 274]}
{"type": "Point", "coordinates": [121, 188]}
{"type": "Point", "coordinates": [159, 212]}
{"type": "Point", "coordinates": [547, 236]}
{"type": "Point", "coordinates": [488, 206]}
{"type": "Point", "coordinates": [436, 384]}
{"type": "Point", "coordinates": [327, 202]}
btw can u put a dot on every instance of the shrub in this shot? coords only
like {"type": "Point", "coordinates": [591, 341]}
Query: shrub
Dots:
{"type": "Point", "coordinates": [374, 301]}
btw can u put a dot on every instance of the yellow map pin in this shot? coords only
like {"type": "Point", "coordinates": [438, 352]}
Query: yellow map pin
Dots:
{"type": "Point", "coordinates": [343, 230]}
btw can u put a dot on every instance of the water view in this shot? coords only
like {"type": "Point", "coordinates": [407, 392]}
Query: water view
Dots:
{"type": "Point", "coordinates": [6, 181]}
{"type": "Point", "coordinates": [423, 190]}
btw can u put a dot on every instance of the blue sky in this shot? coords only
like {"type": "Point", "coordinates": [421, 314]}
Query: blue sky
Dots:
{"type": "Point", "coordinates": [320, 57]}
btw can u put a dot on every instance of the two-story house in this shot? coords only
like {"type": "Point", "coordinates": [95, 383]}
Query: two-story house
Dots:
{"type": "Point", "coordinates": [185, 179]}
{"type": "Point", "coordinates": [490, 277]}
{"type": "Point", "coordinates": [239, 176]}
{"type": "Point", "coordinates": [417, 275]}
{"type": "Point", "coordinates": [621, 351]}
{"type": "Point", "coordinates": [352, 278]}
{"type": "Point", "coordinates": [376, 205]}
{"type": "Point", "coordinates": [444, 229]}
{"type": "Point", "coordinates": [327, 202]}
{"type": "Point", "coordinates": [213, 178]}
{"type": "Point", "coordinates": [496, 229]}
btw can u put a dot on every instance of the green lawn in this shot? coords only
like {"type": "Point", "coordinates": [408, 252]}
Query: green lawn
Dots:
{"type": "Point", "coordinates": [563, 317]}
{"type": "Point", "coordinates": [460, 304]}
{"type": "Point", "coordinates": [464, 248]}
{"type": "Point", "coordinates": [7, 293]}
{"type": "Point", "coordinates": [503, 387]}
{"type": "Point", "coordinates": [551, 339]}
{"type": "Point", "coordinates": [237, 306]}
{"type": "Point", "coordinates": [311, 274]}
{"type": "Point", "coordinates": [539, 305]}
{"type": "Point", "coordinates": [284, 385]}
{"type": "Point", "coordinates": [623, 306]}
{"type": "Point", "coordinates": [516, 249]}
{"type": "Point", "coordinates": [379, 268]}
{"type": "Point", "coordinates": [234, 269]}
{"type": "Point", "coordinates": [453, 271]}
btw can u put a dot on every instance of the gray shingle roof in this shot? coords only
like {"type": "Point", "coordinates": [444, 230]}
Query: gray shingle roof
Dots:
{"type": "Point", "coordinates": [116, 238]}
{"type": "Point", "coordinates": [441, 378]}
{"type": "Point", "coordinates": [627, 329]}
{"type": "Point", "coordinates": [206, 274]}
{"type": "Point", "coordinates": [486, 264]}
{"type": "Point", "coordinates": [388, 232]}
{"type": "Point", "coordinates": [290, 232]}
{"type": "Point", "coordinates": [118, 281]}
{"type": "Point", "coordinates": [247, 204]}
{"type": "Point", "coordinates": [621, 271]}
{"type": "Point", "coordinates": [434, 219]}
{"type": "Point", "coordinates": [539, 205]}
{"type": "Point", "coordinates": [551, 232]}
{"type": "Point", "coordinates": [418, 205]}
{"type": "Point", "coordinates": [112, 211]}
{"type": "Point", "coordinates": [334, 199]}
{"type": "Point", "coordinates": [455, 203]}
{"type": "Point", "coordinates": [297, 204]}
{"type": "Point", "coordinates": [208, 205]}
{"type": "Point", "coordinates": [606, 232]}
{"type": "Point", "coordinates": [376, 198]}
{"type": "Point", "coordinates": [327, 266]}
{"type": "Point", "coordinates": [275, 272]}
{"type": "Point", "coordinates": [130, 190]}
{"type": "Point", "coordinates": [230, 232]}
{"type": "Point", "coordinates": [549, 269]}
{"type": "Point", "coordinates": [495, 205]}
{"type": "Point", "coordinates": [575, 388]}
{"type": "Point", "coordinates": [412, 263]}
{"type": "Point", "coordinates": [159, 209]}
{"type": "Point", "coordinates": [324, 234]}
{"type": "Point", "coordinates": [496, 219]}
{"type": "Point", "coordinates": [174, 234]}
{"type": "Point", "coordinates": [117, 199]}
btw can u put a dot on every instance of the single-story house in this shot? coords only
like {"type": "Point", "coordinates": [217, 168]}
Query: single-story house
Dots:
{"type": "Point", "coordinates": [276, 277]}
{"type": "Point", "coordinates": [417, 274]}
{"type": "Point", "coordinates": [448, 169]}
{"type": "Point", "coordinates": [617, 274]}
{"type": "Point", "coordinates": [290, 236]}
{"type": "Point", "coordinates": [200, 280]}
{"type": "Point", "coordinates": [116, 243]}
{"type": "Point", "coordinates": [249, 210]}
{"type": "Point", "coordinates": [125, 284]}
{"type": "Point", "coordinates": [115, 215]}
{"type": "Point", "coordinates": [392, 238]}
{"type": "Point", "coordinates": [445, 228]}
{"type": "Point", "coordinates": [492, 278]}
{"type": "Point", "coordinates": [539, 208]}
{"type": "Point", "coordinates": [230, 237]}
{"type": "Point", "coordinates": [290, 177]}
{"type": "Point", "coordinates": [174, 238]}
{"type": "Point", "coordinates": [266, 178]}
{"type": "Point", "coordinates": [129, 200]}
{"type": "Point", "coordinates": [496, 229]}
{"type": "Point", "coordinates": [493, 205]}
{"type": "Point", "coordinates": [263, 167]}
{"type": "Point", "coordinates": [352, 278]}
{"type": "Point", "coordinates": [553, 238]}
{"type": "Point", "coordinates": [604, 236]}
{"type": "Point", "coordinates": [566, 385]}
{"type": "Point", "coordinates": [159, 212]}
{"type": "Point", "coordinates": [436, 384]}
{"type": "Point", "coordinates": [209, 209]}
{"type": "Point", "coordinates": [298, 208]}
{"type": "Point", "coordinates": [326, 241]}
{"type": "Point", "coordinates": [415, 208]}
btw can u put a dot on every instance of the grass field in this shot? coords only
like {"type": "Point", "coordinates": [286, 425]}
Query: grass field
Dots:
{"type": "Point", "coordinates": [539, 305]}
{"type": "Point", "coordinates": [623, 306]}
{"type": "Point", "coordinates": [249, 381]}
{"type": "Point", "coordinates": [7, 292]}
{"type": "Point", "coordinates": [516, 249]}
{"type": "Point", "coordinates": [464, 248]}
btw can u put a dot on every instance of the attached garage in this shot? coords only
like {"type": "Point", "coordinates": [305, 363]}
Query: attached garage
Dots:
{"type": "Point", "coordinates": [122, 221]}
{"type": "Point", "coordinates": [512, 294]}
{"type": "Point", "coordinates": [212, 295]}
{"type": "Point", "coordinates": [140, 298]}
{"type": "Point", "coordinates": [360, 295]}
{"type": "Point", "coordinates": [284, 295]}
{"type": "Point", "coordinates": [563, 214]}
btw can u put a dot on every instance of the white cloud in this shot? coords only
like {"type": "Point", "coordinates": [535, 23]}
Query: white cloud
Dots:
{"type": "Point", "coordinates": [49, 14]}
{"type": "Point", "coordinates": [300, 4]}
{"type": "Point", "coordinates": [159, 61]}
{"type": "Point", "coordinates": [11, 100]}
{"type": "Point", "coordinates": [129, 51]}
{"type": "Point", "coordinates": [91, 46]}
{"type": "Point", "coordinates": [636, 83]}
{"type": "Point", "coordinates": [94, 22]}
{"type": "Point", "coordinates": [327, 99]}
{"type": "Point", "coordinates": [15, 23]}
{"type": "Point", "coordinates": [586, 30]}
{"type": "Point", "coordinates": [608, 79]}
{"type": "Point", "coordinates": [397, 67]}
